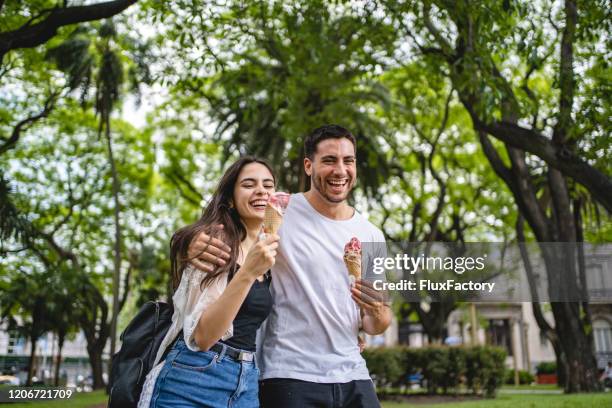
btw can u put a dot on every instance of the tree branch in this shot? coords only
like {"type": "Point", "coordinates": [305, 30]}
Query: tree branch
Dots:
{"type": "Point", "coordinates": [179, 181]}
{"type": "Point", "coordinates": [559, 157]}
{"type": "Point", "coordinates": [445, 46]}
{"type": "Point", "coordinates": [566, 75]}
{"type": "Point", "coordinates": [25, 123]}
{"type": "Point", "coordinates": [29, 36]}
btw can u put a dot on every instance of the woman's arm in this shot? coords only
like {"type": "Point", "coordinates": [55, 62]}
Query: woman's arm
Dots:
{"type": "Point", "coordinates": [218, 316]}
{"type": "Point", "coordinates": [215, 320]}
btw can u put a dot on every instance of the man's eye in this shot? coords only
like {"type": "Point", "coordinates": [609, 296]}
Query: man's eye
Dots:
{"type": "Point", "coordinates": [269, 186]}
{"type": "Point", "coordinates": [248, 185]}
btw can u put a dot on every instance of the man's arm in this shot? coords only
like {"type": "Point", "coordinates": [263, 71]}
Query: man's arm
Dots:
{"type": "Point", "coordinates": [207, 253]}
{"type": "Point", "coordinates": [375, 313]}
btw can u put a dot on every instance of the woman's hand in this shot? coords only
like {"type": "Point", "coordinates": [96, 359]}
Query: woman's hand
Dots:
{"type": "Point", "coordinates": [261, 257]}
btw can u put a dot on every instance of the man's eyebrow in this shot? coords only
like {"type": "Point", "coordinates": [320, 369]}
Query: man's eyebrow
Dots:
{"type": "Point", "coordinates": [331, 156]}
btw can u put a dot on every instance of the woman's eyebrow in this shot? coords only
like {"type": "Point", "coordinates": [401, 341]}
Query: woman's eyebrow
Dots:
{"type": "Point", "coordinates": [252, 180]}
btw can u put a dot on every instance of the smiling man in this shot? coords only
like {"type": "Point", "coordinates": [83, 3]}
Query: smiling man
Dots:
{"type": "Point", "coordinates": [308, 352]}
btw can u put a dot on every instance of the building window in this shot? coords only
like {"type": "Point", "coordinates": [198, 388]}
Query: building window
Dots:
{"type": "Point", "coordinates": [602, 331]}
{"type": "Point", "coordinates": [498, 334]}
{"type": "Point", "coordinates": [16, 343]}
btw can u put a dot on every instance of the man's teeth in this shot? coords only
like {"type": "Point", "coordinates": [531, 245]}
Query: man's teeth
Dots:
{"type": "Point", "coordinates": [337, 182]}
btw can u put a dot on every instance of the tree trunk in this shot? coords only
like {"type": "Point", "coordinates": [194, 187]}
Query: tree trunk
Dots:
{"type": "Point", "coordinates": [117, 244]}
{"type": "Point", "coordinates": [58, 360]}
{"type": "Point", "coordinates": [97, 368]}
{"type": "Point", "coordinates": [581, 365]}
{"type": "Point", "coordinates": [32, 363]}
{"type": "Point", "coordinates": [560, 261]}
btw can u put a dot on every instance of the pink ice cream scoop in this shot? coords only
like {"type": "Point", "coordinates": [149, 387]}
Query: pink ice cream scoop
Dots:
{"type": "Point", "coordinates": [279, 201]}
{"type": "Point", "coordinates": [352, 259]}
{"type": "Point", "coordinates": [353, 246]}
{"type": "Point", "coordinates": [275, 209]}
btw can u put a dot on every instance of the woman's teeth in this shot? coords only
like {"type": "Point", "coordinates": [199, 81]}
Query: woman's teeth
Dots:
{"type": "Point", "coordinates": [259, 204]}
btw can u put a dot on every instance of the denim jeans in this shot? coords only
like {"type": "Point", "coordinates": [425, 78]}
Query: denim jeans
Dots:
{"type": "Point", "coordinates": [205, 379]}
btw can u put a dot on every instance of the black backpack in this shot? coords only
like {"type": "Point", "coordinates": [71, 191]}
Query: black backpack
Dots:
{"type": "Point", "coordinates": [141, 341]}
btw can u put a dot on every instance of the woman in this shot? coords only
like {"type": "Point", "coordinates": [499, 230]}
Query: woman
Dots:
{"type": "Point", "coordinates": [212, 364]}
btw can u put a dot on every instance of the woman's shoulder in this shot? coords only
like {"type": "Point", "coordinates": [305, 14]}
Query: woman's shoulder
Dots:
{"type": "Point", "coordinates": [192, 275]}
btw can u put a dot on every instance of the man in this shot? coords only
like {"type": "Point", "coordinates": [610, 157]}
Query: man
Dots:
{"type": "Point", "coordinates": [309, 354]}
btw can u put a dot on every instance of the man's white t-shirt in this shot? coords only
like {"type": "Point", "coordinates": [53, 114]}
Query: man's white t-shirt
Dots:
{"type": "Point", "coordinates": [311, 333]}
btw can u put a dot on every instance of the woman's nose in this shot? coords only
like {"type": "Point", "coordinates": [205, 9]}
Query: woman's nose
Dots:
{"type": "Point", "coordinates": [261, 190]}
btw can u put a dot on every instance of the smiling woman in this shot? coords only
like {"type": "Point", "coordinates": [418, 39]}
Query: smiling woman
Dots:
{"type": "Point", "coordinates": [218, 310]}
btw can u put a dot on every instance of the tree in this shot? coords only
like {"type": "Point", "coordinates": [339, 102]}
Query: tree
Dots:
{"type": "Point", "coordinates": [501, 102]}
{"type": "Point", "coordinates": [25, 303]}
{"type": "Point", "coordinates": [46, 20]}
{"type": "Point", "coordinates": [68, 205]}
{"type": "Point", "coordinates": [278, 70]}
{"type": "Point", "coordinates": [442, 190]}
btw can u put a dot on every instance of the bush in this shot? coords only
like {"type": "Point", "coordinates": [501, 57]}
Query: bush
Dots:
{"type": "Point", "coordinates": [386, 365]}
{"type": "Point", "coordinates": [547, 367]}
{"type": "Point", "coordinates": [525, 377]}
{"type": "Point", "coordinates": [443, 368]}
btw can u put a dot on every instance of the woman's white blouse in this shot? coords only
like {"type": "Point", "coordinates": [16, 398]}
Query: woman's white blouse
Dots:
{"type": "Point", "coordinates": [189, 300]}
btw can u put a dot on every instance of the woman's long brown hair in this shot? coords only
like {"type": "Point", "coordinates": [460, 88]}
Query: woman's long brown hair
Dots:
{"type": "Point", "coordinates": [218, 211]}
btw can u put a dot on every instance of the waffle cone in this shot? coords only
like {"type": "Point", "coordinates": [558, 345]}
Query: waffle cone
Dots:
{"type": "Point", "coordinates": [272, 220]}
{"type": "Point", "coordinates": [353, 264]}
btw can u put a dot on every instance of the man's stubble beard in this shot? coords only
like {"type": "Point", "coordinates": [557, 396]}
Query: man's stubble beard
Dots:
{"type": "Point", "coordinates": [316, 183]}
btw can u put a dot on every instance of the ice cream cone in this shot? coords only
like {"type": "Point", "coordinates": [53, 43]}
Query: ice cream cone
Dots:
{"type": "Point", "coordinates": [272, 220]}
{"type": "Point", "coordinates": [275, 208]}
{"type": "Point", "coordinates": [352, 259]}
{"type": "Point", "coordinates": [353, 264]}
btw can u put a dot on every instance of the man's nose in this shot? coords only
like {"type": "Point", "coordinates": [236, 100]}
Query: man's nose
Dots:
{"type": "Point", "coordinates": [340, 169]}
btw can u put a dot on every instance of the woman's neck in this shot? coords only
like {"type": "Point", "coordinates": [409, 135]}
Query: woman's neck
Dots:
{"type": "Point", "coordinates": [253, 228]}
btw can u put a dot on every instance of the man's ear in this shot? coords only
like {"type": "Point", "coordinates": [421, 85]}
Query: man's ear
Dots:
{"type": "Point", "coordinates": [308, 166]}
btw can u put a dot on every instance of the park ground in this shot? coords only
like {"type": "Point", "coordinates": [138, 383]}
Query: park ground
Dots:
{"type": "Point", "coordinates": [509, 397]}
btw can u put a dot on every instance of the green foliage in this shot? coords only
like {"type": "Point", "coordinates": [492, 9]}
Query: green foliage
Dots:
{"type": "Point", "coordinates": [547, 367]}
{"type": "Point", "coordinates": [444, 369]}
{"type": "Point", "coordinates": [525, 377]}
{"type": "Point", "coordinates": [278, 70]}
{"type": "Point", "coordinates": [387, 365]}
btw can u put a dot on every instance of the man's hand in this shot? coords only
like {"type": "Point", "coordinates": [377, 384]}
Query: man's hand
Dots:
{"type": "Point", "coordinates": [374, 311]}
{"type": "Point", "coordinates": [207, 253]}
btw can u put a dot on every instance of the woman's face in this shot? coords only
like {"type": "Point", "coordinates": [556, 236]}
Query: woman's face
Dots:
{"type": "Point", "coordinates": [252, 190]}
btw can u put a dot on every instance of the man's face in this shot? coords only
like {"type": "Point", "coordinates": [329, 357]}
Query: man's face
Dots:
{"type": "Point", "coordinates": [332, 169]}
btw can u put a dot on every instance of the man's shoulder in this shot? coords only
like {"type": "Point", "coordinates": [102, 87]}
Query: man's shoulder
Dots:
{"type": "Point", "coordinates": [371, 230]}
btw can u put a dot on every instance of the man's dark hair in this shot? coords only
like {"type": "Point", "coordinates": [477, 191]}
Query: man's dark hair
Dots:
{"type": "Point", "coordinates": [323, 133]}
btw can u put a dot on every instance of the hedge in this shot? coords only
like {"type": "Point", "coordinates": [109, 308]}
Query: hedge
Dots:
{"type": "Point", "coordinates": [443, 369]}
{"type": "Point", "coordinates": [525, 377]}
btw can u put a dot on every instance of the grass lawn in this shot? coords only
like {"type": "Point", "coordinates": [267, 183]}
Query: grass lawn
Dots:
{"type": "Point", "coordinates": [523, 401]}
{"type": "Point", "coordinates": [541, 387]}
{"type": "Point", "coordinates": [98, 399]}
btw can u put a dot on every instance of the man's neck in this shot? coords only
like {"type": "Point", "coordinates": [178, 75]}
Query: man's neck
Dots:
{"type": "Point", "coordinates": [335, 211]}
